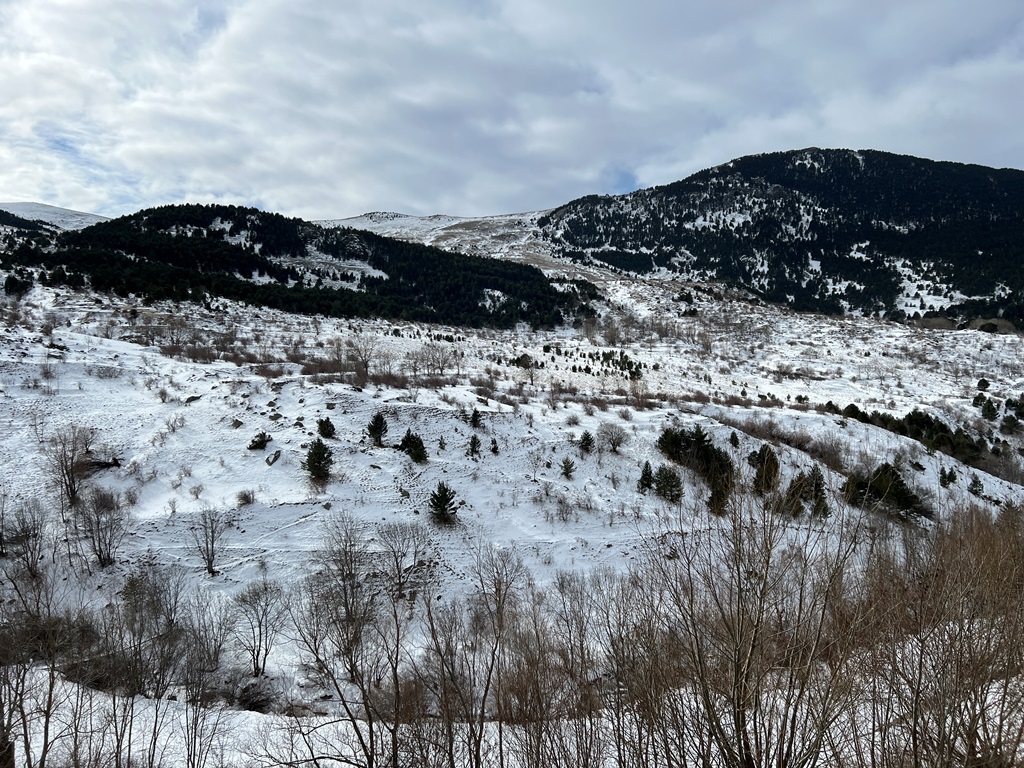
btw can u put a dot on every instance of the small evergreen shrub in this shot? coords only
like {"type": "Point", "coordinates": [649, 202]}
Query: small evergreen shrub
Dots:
{"type": "Point", "coordinates": [412, 444]}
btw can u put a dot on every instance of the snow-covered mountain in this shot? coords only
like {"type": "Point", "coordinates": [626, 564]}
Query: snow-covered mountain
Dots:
{"type": "Point", "coordinates": [624, 489]}
{"type": "Point", "coordinates": [816, 230]}
{"type": "Point", "coordinates": [61, 218]}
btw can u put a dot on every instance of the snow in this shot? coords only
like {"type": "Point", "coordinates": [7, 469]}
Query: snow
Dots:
{"type": "Point", "coordinates": [62, 218]}
{"type": "Point", "coordinates": [180, 429]}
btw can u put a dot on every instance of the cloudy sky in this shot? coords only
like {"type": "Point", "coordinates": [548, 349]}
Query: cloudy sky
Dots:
{"type": "Point", "coordinates": [329, 109]}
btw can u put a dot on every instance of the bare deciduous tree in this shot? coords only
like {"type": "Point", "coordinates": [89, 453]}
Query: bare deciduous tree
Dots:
{"type": "Point", "coordinates": [612, 436]}
{"type": "Point", "coordinates": [262, 613]}
{"type": "Point", "coordinates": [208, 534]}
{"type": "Point", "coordinates": [103, 521]}
{"type": "Point", "coordinates": [66, 459]}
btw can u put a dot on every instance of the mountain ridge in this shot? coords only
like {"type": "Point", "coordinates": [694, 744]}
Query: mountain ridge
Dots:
{"type": "Point", "coordinates": [824, 230]}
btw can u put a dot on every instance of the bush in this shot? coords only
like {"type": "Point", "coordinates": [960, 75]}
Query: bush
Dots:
{"type": "Point", "coordinates": [412, 444]}
{"type": "Point", "coordinates": [325, 427]}
{"type": "Point", "coordinates": [318, 462]}
{"type": "Point", "coordinates": [246, 497]}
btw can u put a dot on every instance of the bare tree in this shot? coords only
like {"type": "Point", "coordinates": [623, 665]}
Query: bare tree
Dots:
{"type": "Point", "coordinates": [363, 349]}
{"type": "Point", "coordinates": [29, 535]}
{"type": "Point", "coordinates": [67, 462]}
{"type": "Point", "coordinates": [103, 521]}
{"type": "Point", "coordinates": [438, 357]}
{"type": "Point", "coordinates": [754, 603]}
{"type": "Point", "coordinates": [209, 619]}
{"type": "Point", "coordinates": [262, 613]}
{"type": "Point", "coordinates": [612, 436]}
{"type": "Point", "coordinates": [208, 534]}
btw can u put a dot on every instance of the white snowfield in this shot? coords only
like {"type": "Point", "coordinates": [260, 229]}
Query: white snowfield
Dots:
{"type": "Point", "coordinates": [173, 427]}
{"type": "Point", "coordinates": [62, 218]}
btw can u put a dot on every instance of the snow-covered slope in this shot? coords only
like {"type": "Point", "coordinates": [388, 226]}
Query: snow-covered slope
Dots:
{"type": "Point", "coordinates": [175, 394]}
{"type": "Point", "coordinates": [62, 218]}
{"type": "Point", "coordinates": [514, 236]}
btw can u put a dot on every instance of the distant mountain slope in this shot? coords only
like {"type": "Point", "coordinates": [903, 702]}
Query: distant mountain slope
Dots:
{"type": "Point", "coordinates": [61, 218]}
{"type": "Point", "coordinates": [196, 252]}
{"type": "Point", "coordinates": [819, 229]}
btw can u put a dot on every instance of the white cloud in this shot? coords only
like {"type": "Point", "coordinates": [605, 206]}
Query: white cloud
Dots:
{"type": "Point", "coordinates": [477, 106]}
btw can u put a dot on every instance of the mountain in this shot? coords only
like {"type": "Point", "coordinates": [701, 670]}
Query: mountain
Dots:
{"type": "Point", "coordinates": [825, 230]}
{"type": "Point", "coordinates": [822, 230]}
{"type": "Point", "coordinates": [59, 218]}
{"type": "Point", "coordinates": [201, 253]}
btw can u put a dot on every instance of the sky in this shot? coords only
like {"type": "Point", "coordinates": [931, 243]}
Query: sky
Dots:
{"type": "Point", "coordinates": [477, 107]}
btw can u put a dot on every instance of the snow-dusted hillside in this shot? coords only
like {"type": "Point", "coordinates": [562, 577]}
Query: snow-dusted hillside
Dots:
{"type": "Point", "coordinates": [176, 393]}
{"type": "Point", "coordinates": [180, 429]}
{"type": "Point", "coordinates": [61, 218]}
{"type": "Point", "coordinates": [514, 236]}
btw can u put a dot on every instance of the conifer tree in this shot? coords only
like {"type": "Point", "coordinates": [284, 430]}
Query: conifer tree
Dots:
{"type": "Point", "coordinates": [646, 481]}
{"type": "Point", "coordinates": [443, 504]}
{"type": "Point", "coordinates": [318, 462]}
{"type": "Point", "coordinates": [377, 428]}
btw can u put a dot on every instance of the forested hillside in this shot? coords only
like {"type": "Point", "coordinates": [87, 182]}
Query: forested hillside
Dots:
{"type": "Point", "coordinates": [822, 230]}
{"type": "Point", "coordinates": [199, 253]}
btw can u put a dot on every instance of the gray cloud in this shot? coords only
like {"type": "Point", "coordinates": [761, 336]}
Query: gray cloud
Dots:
{"type": "Point", "coordinates": [478, 106]}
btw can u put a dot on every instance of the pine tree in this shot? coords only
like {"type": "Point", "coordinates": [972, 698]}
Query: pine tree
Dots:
{"type": "Point", "coordinates": [377, 428]}
{"type": "Point", "coordinates": [318, 462]}
{"type": "Point", "coordinates": [325, 427]}
{"type": "Point", "coordinates": [766, 478]}
{"type": "Point", "coordinates": [568, 467]}
{"type": "Point", "coordinates": [474, 446]}
{"type": "Point", "coordinates": [646, 481]}
{"type": "Point", "coordinates": [412, 444]}
{"type": "Point", "coordinates": [819, 501]}
{"type": "Point", "coordinates": [443, 504]}
{"type": "Point", "coordinates": [586, 443]}
{"type": "Point", "coordinates": [668, 485]}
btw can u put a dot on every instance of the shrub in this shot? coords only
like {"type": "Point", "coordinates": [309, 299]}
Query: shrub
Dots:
{"type": "Point", "coordinates": [412, 444]}
{"type": "Point", "coordinates": [246, 497]}
{"type": "Point", "coordinates": [325, 427]}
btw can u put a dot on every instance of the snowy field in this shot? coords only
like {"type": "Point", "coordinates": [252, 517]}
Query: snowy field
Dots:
{"type": "Point", "coordinates": [173, 395]}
